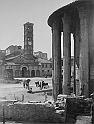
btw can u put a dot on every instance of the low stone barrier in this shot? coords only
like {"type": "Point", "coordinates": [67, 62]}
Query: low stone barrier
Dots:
{"type": "Point", "coordinates": [31, 112]}
{"type": "Point", "coordinates": [5, 103]}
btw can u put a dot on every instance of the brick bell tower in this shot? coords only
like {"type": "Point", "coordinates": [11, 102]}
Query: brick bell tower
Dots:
{"type": "Point", "coordinates": [28, 40]}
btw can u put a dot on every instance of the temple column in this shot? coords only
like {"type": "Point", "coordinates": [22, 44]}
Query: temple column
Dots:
{"type": "Point", "coordinates": [76, 36]}
{"type": "Point", "coordinates": [66, 54]}
{"type": "Point", "coordinates": [84, 50]}
{"type": "Point", "coordinates": [56, 59]}
{"type": "Point", "coordinates": [53, 47]}
{"type": "Point", "coordinates": [91, 48]}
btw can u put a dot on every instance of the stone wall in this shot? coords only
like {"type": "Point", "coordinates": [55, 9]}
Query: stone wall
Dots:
{"type": "Point", "coordinates": [31, 112]}
{"type": "Point", "coordinates": [5, 103]}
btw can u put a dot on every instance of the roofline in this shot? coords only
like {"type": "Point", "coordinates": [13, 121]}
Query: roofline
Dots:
{"type": "Point", "coordinates": [66, 8]}
{"type": "Point", "coordinates": [12, 46]}
{"type": "Point", "coordinates": [56, 13]}
{"type": "Point", "coordinates": [29, 23]}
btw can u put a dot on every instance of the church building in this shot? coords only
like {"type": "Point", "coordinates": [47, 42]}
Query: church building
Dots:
{"type": "Point", "coordinates": [22, 62]}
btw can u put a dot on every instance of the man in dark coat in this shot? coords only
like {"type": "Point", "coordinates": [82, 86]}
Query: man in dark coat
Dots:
{"type": "Point", "coordinates": [28, 80]}
{"type": "Point", "coordinates": [24, 83]}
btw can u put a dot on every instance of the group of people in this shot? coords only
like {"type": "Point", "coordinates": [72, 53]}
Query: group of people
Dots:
{"type": "Point", "coordinates": [26, 83]}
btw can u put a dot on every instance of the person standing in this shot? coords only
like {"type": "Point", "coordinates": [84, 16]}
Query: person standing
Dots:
{"type": "Point", "coordinates": [45, 96]}
{"type": "Point", "coordinates": [22, 98]}
{"type": "Point", "coordinates": [28, 80]}
{"type": "Point", "coordinates": [24, 83]}
{"type": "Point", "coordinates": [40, 84]}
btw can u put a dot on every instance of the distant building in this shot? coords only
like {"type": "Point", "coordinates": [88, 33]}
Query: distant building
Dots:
{"type": "Point", "coordinates": [40, 54]}
{"type": "Point", "coordinates": [2, 53]}
{"type": "Point", "coordinates": [46, 67]}
{"type": "Point", "coordinates": [11, 49]}
{"type": "Point", "coordinates": [22, 62]}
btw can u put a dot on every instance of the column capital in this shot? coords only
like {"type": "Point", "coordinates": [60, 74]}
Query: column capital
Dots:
{"type": "Point", "coordinates": [83, 11]}
{"type": "Point", "coordinates": [66, 20]}
{"type": "Point", "coordinates": [56, 24]}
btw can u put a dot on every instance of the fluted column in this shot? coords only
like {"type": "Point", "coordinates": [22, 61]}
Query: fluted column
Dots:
{"type": "Point", "coordinates": [66, 54]}
{"type": "Point", "coordinates": [84, 50]}
{"type": "Point", "coordinates": [91, 48]}
{"type": "Point", "coordinates": [53, 47]}
{"type": "Point", "coordinates": [76, 36]}
{"type": "Point", "coordinates": [56, 59]}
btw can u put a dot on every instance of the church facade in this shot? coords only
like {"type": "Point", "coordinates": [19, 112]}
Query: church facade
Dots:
{"type": "Point", "coordinates": [22, 62]}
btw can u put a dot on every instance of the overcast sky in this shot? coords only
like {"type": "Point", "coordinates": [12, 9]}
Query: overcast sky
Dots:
{"type": "Point", "coordinates": [15, 13]}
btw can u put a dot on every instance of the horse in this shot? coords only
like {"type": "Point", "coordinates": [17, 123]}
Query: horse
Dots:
{"type": "Point", "coordinates": [37, 83]}
{"type": "Point", "coordinates": [44, 85]}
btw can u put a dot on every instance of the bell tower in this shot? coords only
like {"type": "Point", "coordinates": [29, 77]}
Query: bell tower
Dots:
{"type": "Point", "coordinates": [28, 39]}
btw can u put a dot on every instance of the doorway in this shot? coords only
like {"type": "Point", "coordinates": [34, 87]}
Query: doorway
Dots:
{"type": "Point", "coordinates": [24, 72]}
{"type": "Point", "coordinates": [32, 73]}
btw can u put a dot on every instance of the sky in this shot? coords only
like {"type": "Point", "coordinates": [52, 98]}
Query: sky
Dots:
{"type": "Point", "coordinates": [15, 13]}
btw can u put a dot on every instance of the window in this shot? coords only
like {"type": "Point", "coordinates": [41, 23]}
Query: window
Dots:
{"type": "Point", "coordinates": [46, 66]}
{"type": "Point", "coordinates": [29, 33]}
{"type": "Point", "coordinates": [50, 65]}
{"type": "Point", "coordinates": [29, 27]}
{"type": "Point", "coordinates": [42, 71]}
{"type": "Point", "coordinates": [42, 65]}
{"type": "Point", "coordinates": [19, 47]}
{"type": "Point", "coordinates": [48, 70]}
{"type": "Point", "coordinates": [28, 38]}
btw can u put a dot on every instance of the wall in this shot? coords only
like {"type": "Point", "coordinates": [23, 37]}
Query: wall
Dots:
{"type": "Point", "coordinates": [5, 103]}
{"type": "Point", "coordinates": [31, 112]}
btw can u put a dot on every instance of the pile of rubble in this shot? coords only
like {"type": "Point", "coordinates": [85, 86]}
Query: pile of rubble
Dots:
{"type": "Point", "coordinates": [65, 109]}
{"type": "Point", "coordinates": [69, 107]}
